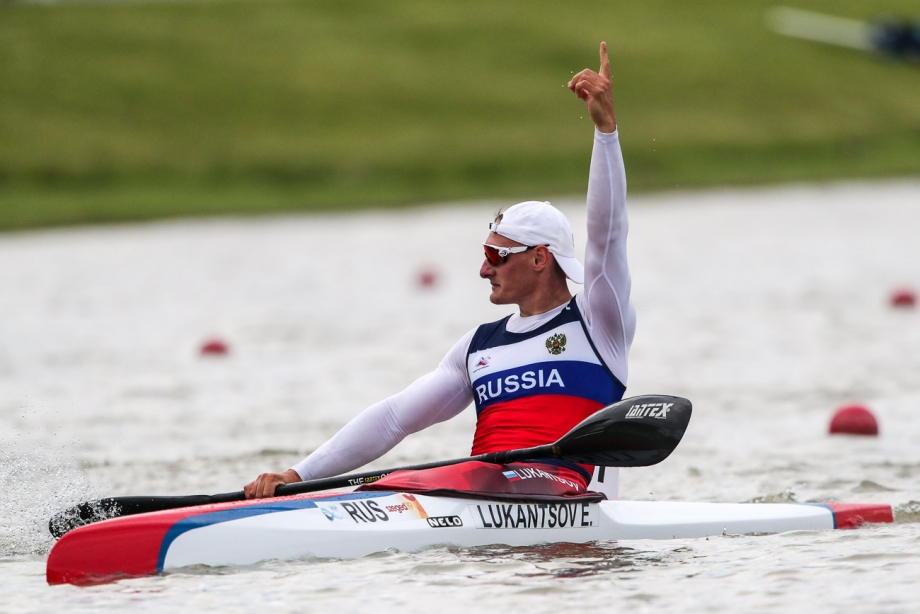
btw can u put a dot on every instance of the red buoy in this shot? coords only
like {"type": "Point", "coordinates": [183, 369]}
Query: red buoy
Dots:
{"type": "Point", "coordinates": [427, 278]}
{"type": "Point", "coordinates": [214, 347]}
{"type": "Point", "coordinates": [903, 298]}
{"type": "Point", "coordinates": [854, 420]}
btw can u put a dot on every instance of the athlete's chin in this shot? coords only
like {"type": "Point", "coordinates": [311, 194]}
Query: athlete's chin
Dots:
{"type": "Point", "coordinates": [496, 297]}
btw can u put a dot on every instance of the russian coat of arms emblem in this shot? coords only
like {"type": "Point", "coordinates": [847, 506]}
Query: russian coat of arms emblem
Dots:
{"type": "Point", "coordinates": [556, 344]}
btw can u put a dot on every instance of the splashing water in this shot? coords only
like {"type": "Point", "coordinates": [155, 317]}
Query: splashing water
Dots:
{"type": "Point", "coordinates": [36, 486]}
{"type": "Point", "coordinates": [907, 512]}
{"type": "Point", "coordinates": [786, 496]}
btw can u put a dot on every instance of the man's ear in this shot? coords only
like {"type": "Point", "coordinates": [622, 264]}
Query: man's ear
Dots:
{"type": "Point", "coordinates": [541, 257]}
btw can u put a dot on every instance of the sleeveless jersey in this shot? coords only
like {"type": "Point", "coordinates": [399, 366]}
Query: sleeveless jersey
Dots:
{"type": "Point", "coordinates": [531, 388]}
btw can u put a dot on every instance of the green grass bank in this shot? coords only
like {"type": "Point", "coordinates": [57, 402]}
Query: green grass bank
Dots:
{"type": "Point", "coordinates": [131, 111]}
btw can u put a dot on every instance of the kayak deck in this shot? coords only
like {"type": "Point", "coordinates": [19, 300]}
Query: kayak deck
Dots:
{"type": "Point", "coordinates": [344, 525]}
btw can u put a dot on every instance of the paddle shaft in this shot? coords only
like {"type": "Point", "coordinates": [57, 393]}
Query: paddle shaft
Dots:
{"type": "Point", "coordinates": [91, 511]}
{"type": "Point", "coordinates": [357, 479]}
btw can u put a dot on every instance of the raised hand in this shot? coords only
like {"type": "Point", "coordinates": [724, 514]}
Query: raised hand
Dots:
{"type": "Point", "coordinates": [597, 92]}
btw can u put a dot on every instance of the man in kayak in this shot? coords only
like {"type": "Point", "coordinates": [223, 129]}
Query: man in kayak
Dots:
{"type": "Point", "coordinates": [533, 375]}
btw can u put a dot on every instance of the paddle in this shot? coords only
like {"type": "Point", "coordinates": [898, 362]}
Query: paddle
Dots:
{"type": "Point", "coordinates": [634, 432]}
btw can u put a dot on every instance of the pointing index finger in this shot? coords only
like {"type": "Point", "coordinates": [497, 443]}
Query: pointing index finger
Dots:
{"type": "Point", "coordinates": [605, 63]}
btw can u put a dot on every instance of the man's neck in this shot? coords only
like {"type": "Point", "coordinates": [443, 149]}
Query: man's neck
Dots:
{"type": "Point", "coordinates": [537, 304]}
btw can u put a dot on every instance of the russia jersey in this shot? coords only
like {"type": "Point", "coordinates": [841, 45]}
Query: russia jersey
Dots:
{"type": "Point", "coordinates": [531, 388]}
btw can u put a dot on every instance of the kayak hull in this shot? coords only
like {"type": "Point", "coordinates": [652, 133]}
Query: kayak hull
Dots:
{"type": "Point", "coordinates": [346, 525]}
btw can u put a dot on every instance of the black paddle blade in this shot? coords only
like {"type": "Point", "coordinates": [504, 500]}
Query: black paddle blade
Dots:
{"type": "Point", "coordinates": [634, 432]}
{"type": "Point", "coordinates": [113, 507]}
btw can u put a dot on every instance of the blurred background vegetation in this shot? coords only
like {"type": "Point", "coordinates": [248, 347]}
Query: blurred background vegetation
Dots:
{"type": "Point", "coordinates": [116, 111]}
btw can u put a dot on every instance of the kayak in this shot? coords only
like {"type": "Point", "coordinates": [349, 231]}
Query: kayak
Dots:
{"type": "Point", "coordinates": [355, 524]}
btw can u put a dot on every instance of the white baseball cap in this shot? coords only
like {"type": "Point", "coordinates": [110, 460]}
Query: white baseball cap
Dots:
{"type": "Point", "coordinates": [535, 222]}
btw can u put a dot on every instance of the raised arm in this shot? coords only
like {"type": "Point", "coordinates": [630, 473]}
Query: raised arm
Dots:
{"type": "Point", "coordinates": [605, 301]}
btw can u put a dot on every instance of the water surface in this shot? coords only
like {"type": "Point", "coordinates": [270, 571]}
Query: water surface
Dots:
{"type": "Point", "coordinates": [768, 309]}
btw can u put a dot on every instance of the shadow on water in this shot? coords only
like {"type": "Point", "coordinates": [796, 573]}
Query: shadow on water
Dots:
{"type": "Point", "coordinates": [569, 560]}
{"type": "Point", "coordinates": [452, 565]}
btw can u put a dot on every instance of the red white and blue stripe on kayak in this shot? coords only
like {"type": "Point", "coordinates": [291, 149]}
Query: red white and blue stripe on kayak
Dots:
{"type": "Point", "coordinates": [205, 519]}
{"type": "Point", "coordinates": [852, 515]}
{"type": "Point", "coordinates": [147, 537]}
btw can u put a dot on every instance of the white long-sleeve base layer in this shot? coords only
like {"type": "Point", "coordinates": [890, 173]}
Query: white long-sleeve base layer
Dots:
{"type": "Point", "coordinates": [445, 392]}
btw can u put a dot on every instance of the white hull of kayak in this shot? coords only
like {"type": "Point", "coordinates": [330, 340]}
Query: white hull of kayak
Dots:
{"type": "Point", "coordinates": [309, 533]}
{"type": "Point", "coordinates": [357, 524]}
